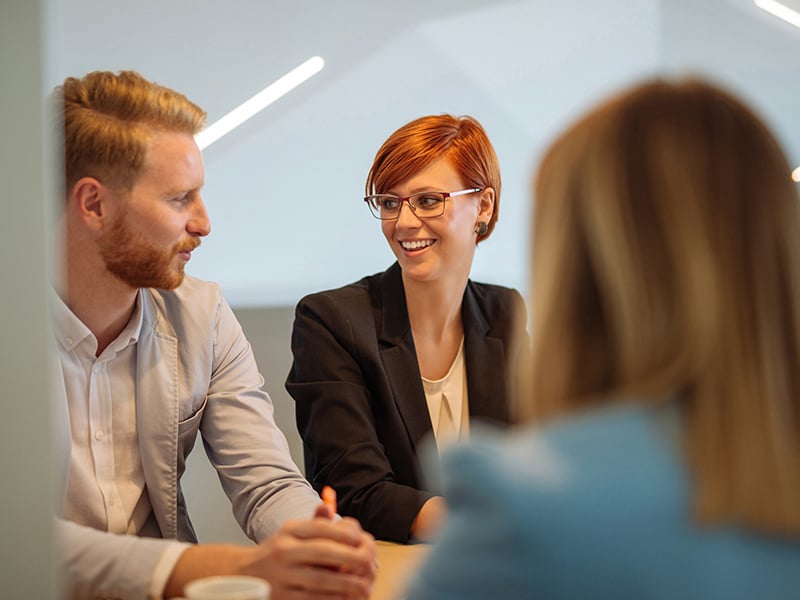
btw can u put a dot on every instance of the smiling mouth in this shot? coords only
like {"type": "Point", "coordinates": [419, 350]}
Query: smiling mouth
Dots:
{"type": "Point", "coordinates": [416, 244]}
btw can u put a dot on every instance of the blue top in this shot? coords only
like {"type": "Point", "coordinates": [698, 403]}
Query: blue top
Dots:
{"type": "Point", "coordinates": [597, 506]}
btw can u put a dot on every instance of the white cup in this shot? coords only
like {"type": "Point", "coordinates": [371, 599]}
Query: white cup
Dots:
{"type": "Point", "coordinates": [227, 587]}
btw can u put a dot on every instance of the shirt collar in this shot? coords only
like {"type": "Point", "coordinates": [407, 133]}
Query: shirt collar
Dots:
{"type": "Point", "coordinates": [71, 331]}
{"type": "Point", "coordinates": [130, 335]}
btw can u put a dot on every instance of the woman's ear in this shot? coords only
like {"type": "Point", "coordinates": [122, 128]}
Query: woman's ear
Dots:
{"type": "Point", "coordinates": [486, 205]}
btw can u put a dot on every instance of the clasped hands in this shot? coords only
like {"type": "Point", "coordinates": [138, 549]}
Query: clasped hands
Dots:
{"type": "Point", "coordinates": [323, 557]}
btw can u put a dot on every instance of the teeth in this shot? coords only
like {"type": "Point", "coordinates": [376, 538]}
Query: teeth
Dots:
{"type": "Point", "coordinates": [416, 244]}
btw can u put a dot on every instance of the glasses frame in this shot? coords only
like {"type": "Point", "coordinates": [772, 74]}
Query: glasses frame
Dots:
{"type": "Point", "coordinates": [407, 199]}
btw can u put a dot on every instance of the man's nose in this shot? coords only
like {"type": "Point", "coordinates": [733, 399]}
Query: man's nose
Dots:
{"type": "Point", "coordinates": [199, 224]}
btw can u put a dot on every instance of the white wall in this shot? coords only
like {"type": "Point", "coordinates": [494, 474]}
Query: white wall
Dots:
{"type": "Point", "coordinates": [25, 501]}
{"type": "Point", "coordinates": [285, 190]}
{"type": "Point", "coordinates": [745, 48]}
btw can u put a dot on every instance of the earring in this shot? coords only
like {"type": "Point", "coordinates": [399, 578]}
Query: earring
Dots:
{"type": "Point", "coordinates": [481, 227]}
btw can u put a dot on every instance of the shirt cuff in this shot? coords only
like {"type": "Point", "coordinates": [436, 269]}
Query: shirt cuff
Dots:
{"type": "Point", "coordinates": [164, 568]}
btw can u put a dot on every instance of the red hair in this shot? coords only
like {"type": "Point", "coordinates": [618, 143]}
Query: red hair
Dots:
{"type": "Point", "coordinates": [462, 140]}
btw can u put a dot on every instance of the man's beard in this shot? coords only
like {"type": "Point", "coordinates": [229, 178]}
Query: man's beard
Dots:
{"type": "Point", "coordinates": [140, 264]}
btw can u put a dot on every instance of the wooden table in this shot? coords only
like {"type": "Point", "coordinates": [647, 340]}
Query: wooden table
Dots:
{"type": "Point", "coordinates": [397, 564]}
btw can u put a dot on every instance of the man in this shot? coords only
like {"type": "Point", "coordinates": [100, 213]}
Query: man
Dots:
{"type": "Point", "coordinates": [149, 357]}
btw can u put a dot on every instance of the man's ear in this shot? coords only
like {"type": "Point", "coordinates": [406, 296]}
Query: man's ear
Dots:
{"type": "Point", "coordinates": [89, 200]}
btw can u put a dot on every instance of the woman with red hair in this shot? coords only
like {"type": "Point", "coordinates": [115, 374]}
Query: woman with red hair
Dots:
{"type": "Point", "coordinates": [383, 363]}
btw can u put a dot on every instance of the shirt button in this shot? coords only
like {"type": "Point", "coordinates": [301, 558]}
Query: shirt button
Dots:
{"type": "Point", "coordinates": [69, 341]}
{"type": "Point", "coordinates": [111, 501]}
{"type": "Point", "coordinates": [98, 436]}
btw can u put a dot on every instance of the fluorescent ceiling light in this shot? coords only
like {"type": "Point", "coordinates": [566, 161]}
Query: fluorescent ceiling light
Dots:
{"type": "Point", "coordinates": [259, 102]}
{"type": "Point", "coordinates": [780, 10]}
{"type": "Point", "coordinates": [796, 174]}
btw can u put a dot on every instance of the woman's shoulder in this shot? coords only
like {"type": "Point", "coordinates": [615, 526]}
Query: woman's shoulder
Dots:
{"type": "Point", "coordinates": [588, 465]}
{"type": "Point", "coordinates": [607, 495]}
{"type": "Point", "coordinates": [601, 434]}
{"type": "Point", "coordinates": [549, 511]}
{"type": "Point", "coordinates": [493, 291]}
{"type": "Point", "coordinates": [500, 305]}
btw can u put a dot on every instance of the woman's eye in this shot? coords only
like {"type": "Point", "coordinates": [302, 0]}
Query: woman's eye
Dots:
{"type": "Point", "coordinates": [389, 203]}
{"type": "Point", "coordinates": [428, 201]}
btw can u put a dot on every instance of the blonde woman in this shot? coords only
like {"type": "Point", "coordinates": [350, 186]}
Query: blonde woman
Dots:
{"type": "Point", "coordinates": [665, 457]}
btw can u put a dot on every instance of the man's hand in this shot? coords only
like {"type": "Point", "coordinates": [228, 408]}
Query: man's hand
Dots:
{"type": "Point", "coordinates": [316, 558]}
{"type": "Point", "coordinates": [308, 559]}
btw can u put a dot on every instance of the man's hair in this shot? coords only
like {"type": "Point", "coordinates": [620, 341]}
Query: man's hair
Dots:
{"type": "Point", "coordinates": [666, 262]}
{"type": "Point", "coordinates": [108, 120]}
{"type": "Point", "coordinates": [462, 140]}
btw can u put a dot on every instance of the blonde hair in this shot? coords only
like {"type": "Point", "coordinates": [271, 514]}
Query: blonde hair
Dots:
{"type": "Point", "coordinates": [108, 120]}
{"type": "Point", "coordinates": [666, 261]}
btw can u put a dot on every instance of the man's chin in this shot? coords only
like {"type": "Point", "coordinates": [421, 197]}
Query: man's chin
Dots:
{"type": "Point", "coordinates": [166, 282]}
{"type": "Point", "coordinates": [173, 283]}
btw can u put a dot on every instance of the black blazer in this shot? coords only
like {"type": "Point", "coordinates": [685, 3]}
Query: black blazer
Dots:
{"type": "Point", "coordinates": [359, 400]}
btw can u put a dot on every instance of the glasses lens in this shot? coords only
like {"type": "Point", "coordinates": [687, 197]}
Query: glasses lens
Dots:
{"type": "Point", "coordinates": [423, 204]}
{"type": "Point", "coordinates": [384, 206]}
{"type": "Point", "coordinates": [427, 204]}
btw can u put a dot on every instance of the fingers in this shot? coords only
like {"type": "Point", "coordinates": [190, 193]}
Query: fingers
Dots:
{"type": "Point", "coordinates": [333, 556]}
{"type": "Point", "coordinates": [323, 511]}
{"type": "Point", "coordinates": [323, 553]}
{"type": "Point", "coordinates": [317, 558]}
{"type": "Point", "coordinates": [324, 582]}
{"type": "Point", "coordinates": [313, 581]}
{"type": "Point", "coordinates": [345, 531]}
{"type": "Point", "coordinates": [358, 559]}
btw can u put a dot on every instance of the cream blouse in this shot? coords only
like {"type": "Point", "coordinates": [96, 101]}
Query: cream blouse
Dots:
{"type": "Point", "coordinates": [448, 404]}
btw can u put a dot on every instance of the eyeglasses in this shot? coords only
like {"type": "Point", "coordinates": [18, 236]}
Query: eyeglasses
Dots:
{"type": "Point", "coordinates": [424, 205]}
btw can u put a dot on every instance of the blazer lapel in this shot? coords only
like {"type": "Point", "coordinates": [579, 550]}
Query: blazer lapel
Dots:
{"type": "Point", "coordinates": [157, 415]}
{"type": "Point", "coordinates": [399, 356]}
{"type": "Point", "coordinates": [485, 362]}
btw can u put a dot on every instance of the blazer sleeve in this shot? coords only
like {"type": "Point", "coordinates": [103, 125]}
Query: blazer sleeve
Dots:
{"type": "Point", "coordinates": [341, 390]}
